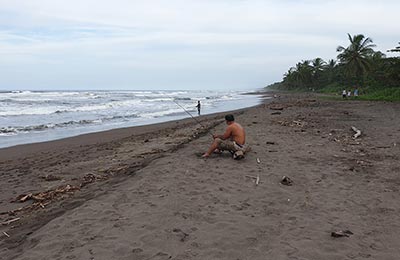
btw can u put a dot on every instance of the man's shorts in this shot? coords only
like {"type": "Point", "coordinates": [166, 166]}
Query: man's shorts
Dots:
{"type": "Point", "coordinates": [228, 145]}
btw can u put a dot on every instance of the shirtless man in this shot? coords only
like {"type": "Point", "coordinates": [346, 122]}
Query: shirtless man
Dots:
{"type": "Point", "coordinates": [232, 140]}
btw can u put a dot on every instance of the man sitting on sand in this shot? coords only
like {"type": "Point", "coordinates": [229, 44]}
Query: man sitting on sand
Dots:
{"type": "Point", "coordinates": [232, 140]}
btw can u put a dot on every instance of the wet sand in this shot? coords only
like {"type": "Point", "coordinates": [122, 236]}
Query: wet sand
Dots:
{"type": "Point", "coordinates": [144, 193]}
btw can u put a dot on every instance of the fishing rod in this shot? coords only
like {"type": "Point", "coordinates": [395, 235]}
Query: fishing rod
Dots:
{"type": "Point", "coordinates": [191, 116]}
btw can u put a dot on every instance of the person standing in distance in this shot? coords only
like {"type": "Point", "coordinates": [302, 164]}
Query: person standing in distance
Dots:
{"type": "Point", "coordinates": [198, 107]}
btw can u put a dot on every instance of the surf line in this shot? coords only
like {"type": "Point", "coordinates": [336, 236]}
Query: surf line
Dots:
{"type": "Point", "coordinates": [191, 116]}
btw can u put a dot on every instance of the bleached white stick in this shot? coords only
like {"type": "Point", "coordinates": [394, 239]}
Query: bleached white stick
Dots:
{"type": "Point", "coordinates": [258, 180]}
{"type": "Point", "coordinates": [10, 221]}
{"type": "Point", "coordinates": [357, 132]}
{"type": "Point", "coordinates": [5, 233]}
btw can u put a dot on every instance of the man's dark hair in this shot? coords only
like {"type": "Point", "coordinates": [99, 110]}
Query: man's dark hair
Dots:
{"type": "Point", "coordinates": [229, 118]}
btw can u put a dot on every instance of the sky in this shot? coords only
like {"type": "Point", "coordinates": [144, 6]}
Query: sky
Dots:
{"type": "Point", "coordinates": [177, 44]}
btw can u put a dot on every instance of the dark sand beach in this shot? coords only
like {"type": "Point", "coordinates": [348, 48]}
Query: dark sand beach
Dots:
{"type": "Point", "coordinates": [144, 192]}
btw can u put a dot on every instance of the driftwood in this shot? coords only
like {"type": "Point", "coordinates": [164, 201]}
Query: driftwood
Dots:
{"type": "Point", "coordinates": [357, 132]}
{"type": "Point", "coordinates": [5, 233]}
{"type": "Point", "coordinates": [341, 233]}
{"type": "Point", "coordinates": [8, 222]}
{"type": "Point", "coordinates": [258, 179]}
{"type": "Point", "coordinates": [47, 195]}
{"type": "Point", "coordinates": [51, 177]}
{"type": "Point", "coordinates": [276, 108]}
{"type": "Point", "coordinates": [297, 123]}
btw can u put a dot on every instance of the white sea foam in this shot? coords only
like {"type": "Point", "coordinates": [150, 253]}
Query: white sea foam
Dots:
{"type": "Point", "coordinates": [63, 113]}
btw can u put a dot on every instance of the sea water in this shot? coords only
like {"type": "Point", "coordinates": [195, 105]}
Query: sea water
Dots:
{"type": "Point", "coordinates": [37, 116]}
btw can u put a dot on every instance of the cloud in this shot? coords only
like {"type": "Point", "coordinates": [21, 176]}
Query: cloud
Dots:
{"type": "Point", "coordinates": [258, 40]}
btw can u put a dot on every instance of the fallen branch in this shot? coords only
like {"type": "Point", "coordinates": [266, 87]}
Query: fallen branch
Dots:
{"type": "Point", "coordinates": [8, 222]}
{"type": "Point", "coordinates": [357, 132]}
{"type": "Point", "coordinates": [5, 233]}
{"type": "Point", "coordinates": [257, 180]}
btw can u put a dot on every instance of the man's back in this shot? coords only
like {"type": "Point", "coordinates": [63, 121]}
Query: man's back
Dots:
{"type": "Point", "coordinates": [237, 133]}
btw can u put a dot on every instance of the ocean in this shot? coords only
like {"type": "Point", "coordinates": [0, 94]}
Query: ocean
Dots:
{"type": "Point", "coordinates": [37, 116]}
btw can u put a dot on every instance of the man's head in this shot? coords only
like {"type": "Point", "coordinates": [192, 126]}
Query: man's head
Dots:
{"type": "Point", "coordinates": [229, 119]}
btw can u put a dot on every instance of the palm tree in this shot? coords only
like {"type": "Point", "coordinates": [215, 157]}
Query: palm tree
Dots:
{"type": "Point", "coordinates": [331, 64]}
{"type": "Point", "coordinates": [318, 65]}
{"type": "Point", "coordinates": [329, 70]}
{"type": "Point", "coordinates": [355, 57]}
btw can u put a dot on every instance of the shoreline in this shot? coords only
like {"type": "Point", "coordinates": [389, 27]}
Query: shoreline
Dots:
{"type": "Point", "coordinates": [148, 194]}
{"type": "Point", "coordinates": [112, 134]}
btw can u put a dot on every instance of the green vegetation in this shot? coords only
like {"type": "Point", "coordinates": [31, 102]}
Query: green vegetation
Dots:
{"type": "Point", "coordinates": [358, 65]}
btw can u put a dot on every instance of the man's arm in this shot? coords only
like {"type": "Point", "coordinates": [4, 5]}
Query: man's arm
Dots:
{"type": "Point", "coordinates": [226, 135]}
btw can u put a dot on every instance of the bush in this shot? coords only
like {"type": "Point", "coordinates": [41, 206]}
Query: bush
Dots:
{"type": "Point", "coordinates": [383, 94]}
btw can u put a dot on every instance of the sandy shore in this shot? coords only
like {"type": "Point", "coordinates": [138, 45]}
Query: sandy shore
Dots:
{"type": "Point", "coordinates": [144, 193]}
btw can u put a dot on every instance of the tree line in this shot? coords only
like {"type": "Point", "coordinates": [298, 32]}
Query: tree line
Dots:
{"type": "Point", "coordinates": [357, 65]}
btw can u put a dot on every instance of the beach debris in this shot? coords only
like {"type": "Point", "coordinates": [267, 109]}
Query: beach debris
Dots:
{"type": "Point", "coordinates": [383, 147]}
{"type": "Point", "coordinates": [297, 123]}
{"type": "Point", "coordinates": [286, 181]}
{"type": "Point", "coordinates": [90, 177]}
{"type": "Point", "coordinates": [342, 233]}
{"type": "Point", "coordinates": [251, 177]}
{"type": "Point", "coordinates": [238, 155]}
{"type": "Point", "coordinates": [23, 197]}
{"type": "Point", "coordinates": [258, 160]}
{"type": "Point", "coordinates": [11, 212]}
{"type": "Point", "coordinates": [8, 222]}
{"type": "Point", "coordinates": [46, 195]}
{"type": "Point", "coordinates": [6, 234]}
{"type": "Point", "coordinates": [87, 179]}
{"type": "Point", "coordinates": [182, 234]}
{"type": "Point", "coordinates": [276, 107]}
{"type": "Point", "coordinates": [50, 177]}
{"type": "Point", "coordinates": [357, 132]}
{"type": "Point", "coordinates": [255, 178]}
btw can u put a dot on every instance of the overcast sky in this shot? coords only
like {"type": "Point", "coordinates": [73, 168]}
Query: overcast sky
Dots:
{"type": "Point", "coordinates": [177, 44]}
